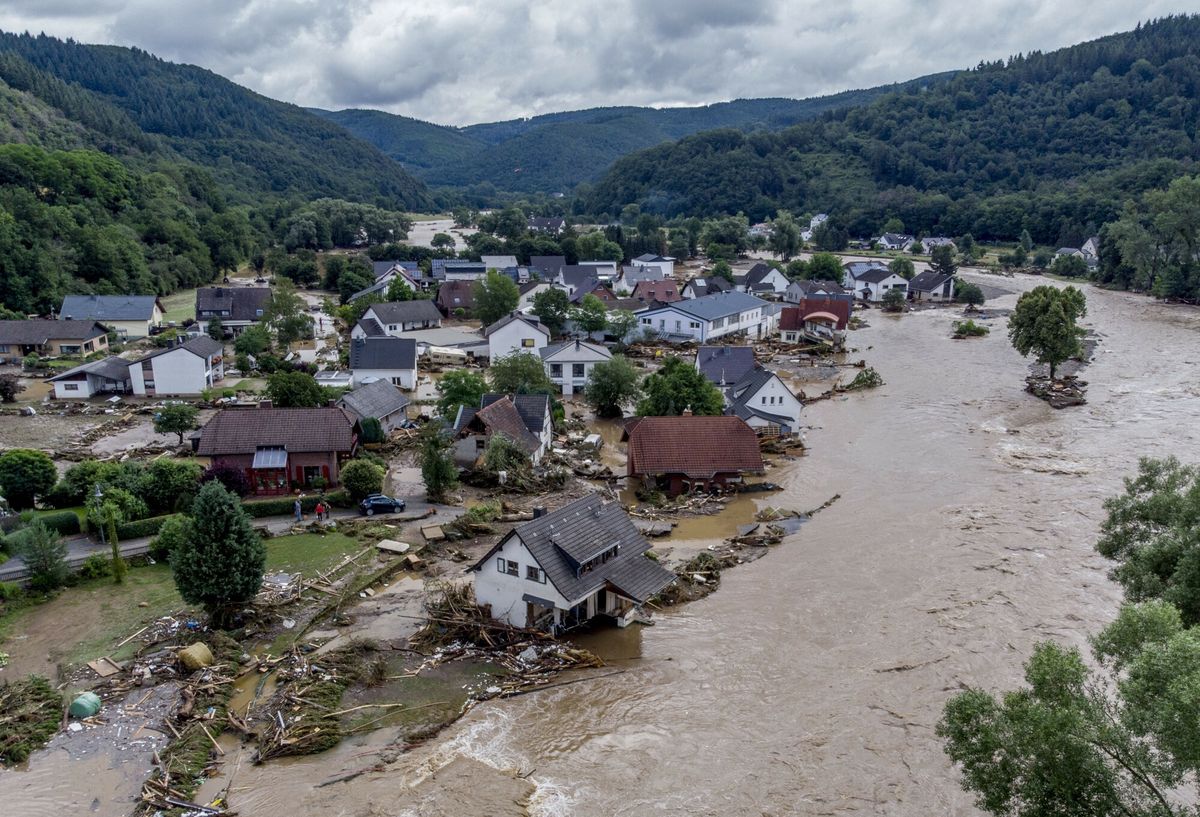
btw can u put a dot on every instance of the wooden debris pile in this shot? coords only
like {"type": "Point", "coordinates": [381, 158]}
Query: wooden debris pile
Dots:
{"type": "Point", "coordinates": [453, 617]}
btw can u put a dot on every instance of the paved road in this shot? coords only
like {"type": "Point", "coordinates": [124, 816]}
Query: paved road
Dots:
{"type": "Point", "coordinates": [79, 548]}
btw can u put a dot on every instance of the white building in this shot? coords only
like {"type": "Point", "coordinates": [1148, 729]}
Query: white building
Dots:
{"type": "Point", "coordinates": [870, 281]}
{"type": "Point", "coordinates": [560, 569]}
{"type": "Point", "coordinates": [390, 359]}
{"type": "Point", "coordinates": [398, 318]}
{"type": "Point", "coordinates": [130, 316]}
{"type": "Point", "coordinates": [664, 263]}
{"type": "Point", "coordinates": [569, 365]}
{"type": "Point", "coordinates": [932, 286]}
{"type": "Point", "coordinates": [516, 332]}
{"type": "Point", "coordinates": [765, 403]}
{"type": "Point", "coordinates": [895, 241]}
{"type": "Point", "coordinates": [762, 280]}
{"type": "Point", "coordinates": [706, 318]}
{"type": "Point", "coordinates": [188, 368]}
{"type": "Point", "coordinates": [107, 376]}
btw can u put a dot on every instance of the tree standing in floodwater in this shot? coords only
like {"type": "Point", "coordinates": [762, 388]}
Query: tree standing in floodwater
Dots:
{"type": "Point", "coordinates": [1044, 324]}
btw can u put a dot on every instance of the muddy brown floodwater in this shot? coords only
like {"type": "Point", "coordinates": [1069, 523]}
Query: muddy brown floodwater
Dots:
{"type": "Point", "coordinates": [810, 683]}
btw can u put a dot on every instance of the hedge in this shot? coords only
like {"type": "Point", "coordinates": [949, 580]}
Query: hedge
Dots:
{"type": "Point", "coordinates": [281, 506]}
{"type": "Point", "coordinates": [65, 523]}
{"type": "Point", "coordinates": [139, 528]}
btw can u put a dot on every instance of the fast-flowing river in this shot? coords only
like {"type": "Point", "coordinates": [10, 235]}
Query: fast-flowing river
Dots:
{"type": "Point", "coordinates": [810, 683]}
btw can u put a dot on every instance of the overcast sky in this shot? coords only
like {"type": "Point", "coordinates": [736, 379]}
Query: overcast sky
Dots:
{"type": "Point", "coordinates": [462, 61]}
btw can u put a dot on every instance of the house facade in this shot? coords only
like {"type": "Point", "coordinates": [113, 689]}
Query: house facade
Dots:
{"type": "Point", "coordinates": [932, 286]}
{"type": "Point", "coordinates": [186, 369]}
{"type": "Point", "coordinates": [391, 359]}
{"type": "Point", "coordinates": [279, 449]}
{"type": "Point", "coordinates": [107, 376]}
{"type": "Point", "coordinates": [798, 291]}
{"type": "Point", "coordinates": [872, 284]}
{"type": "Point", "coordinates": [525, 419]}
{"type": "Point", "coordinates": [765, 403]}
{"type": "Point", "coordinates": [516, 332]}
{"type": "Point", "coordinates": [631, 276]}
{"type": "Point", "coordinates": [130, 316]}
{"type": "Point", "coordinates": [569, 365]}
{"type": "Point", "coordinates": [762, 280]}
{"type": "Point", "coordinates": [564, 568]}
{"type": "Point", "coordinates": [379, 400]}
{"type": "Point", "coordinates": [399, 317]}
{"type": "Point", "coordinates": [664, 264]}
{"type": "Point", "coordinates": [237, 308]}
{"type": "Point", "coordinates": [895, 241]}
{"type": "Point", "coordinates": [699, 287]}
{"type": "Point", "coordinates": [706, 318]}
{"type": "Point", "coordinates": [49, 338]}
{"type": "Point", "coordinates": [456, 299]}
{"type": "Point", "coordinates": [815, 318]}
{"type": "Point", "coordinates": [687, 454]}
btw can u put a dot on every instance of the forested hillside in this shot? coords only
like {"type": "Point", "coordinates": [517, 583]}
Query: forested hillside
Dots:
{"type": "Point", "coordinates": [555, 152]}
{"type": "Point", "coordinates": [129, 102]}
{"type": "Point", "coordinates": [1044, 142]}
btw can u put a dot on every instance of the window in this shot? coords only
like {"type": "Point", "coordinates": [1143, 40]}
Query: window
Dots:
{"type": "Point", "coordinates": [647, 322]}
{"type": "Point", "coordinates": [392, 328]}
{"type": "Point", "coordinates": [694, 324]}
{"type": "Point", "coordinates": [535, 574]}
{"type": "Point", "coordinates": [509, 567]}
{"type": "Point", "coordinates": [398, 381]}
{"type": "Point", "coordinates": [556, 370]}
{"type": "Point", "coordinates": [258, 313]}
{"type": "Point", "coordinates": [527, 343]}
{"type": "Point", "coordinates": [70, 387]}
{"type": "Point", "coordinates": [578, 370]}
{"type": "Point", "coordinates": [69, 350]}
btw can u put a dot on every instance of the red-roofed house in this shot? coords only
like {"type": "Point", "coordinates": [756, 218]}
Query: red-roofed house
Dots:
{"type": "Point", "coordinates": [814, 318]}
{"type": "Point", "coordinates": [665, 291]}
{"type": "Point", "coordinates": [686, 454]}
{"type": "Point", "coordinates": [278, 448]}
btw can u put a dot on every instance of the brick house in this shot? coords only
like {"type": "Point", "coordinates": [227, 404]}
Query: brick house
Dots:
{"type": "Point", "coordinates": [280, 449]}
{"type": "Point", "coordinates": [681, 455]}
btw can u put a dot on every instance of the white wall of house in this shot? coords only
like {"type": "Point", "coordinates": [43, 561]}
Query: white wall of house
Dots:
{"type": "Point", "coordinates": [77, 389]}
{"type": "Point", "coordinates": [525, 303]}
{"type": "Point", "coordinates": [178, 371]}
{"type": "Point", "coordinates": [404, 378]}
{"type": "Point", "coordinates": [668, 320]}
{"type": "Point", "coordinates": [504, 592]}
{"type": "Point", "coordinates": [777, 280]}
{"type": "Point", "coordinates": [515, 336]}
{"type": "Point", "coordinates": [774, 397]}
{"type": "Point", "coordinates": [942, 293]}
{"type": "Point", "coordinates": [571, 369]}
{"type": "Point", "coordinates": [874, 292]}
{"type": "Point", "coordinates": [395, 329]}
{"type": "Point", "coordinates": [667, 268]}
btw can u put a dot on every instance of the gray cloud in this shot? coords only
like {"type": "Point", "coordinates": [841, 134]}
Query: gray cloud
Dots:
{"type": "Point", "coordinates": [463, 61]}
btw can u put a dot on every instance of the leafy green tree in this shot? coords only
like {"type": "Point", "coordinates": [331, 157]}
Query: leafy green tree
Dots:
{"type": "Point", "coordinates": [903, 267]}
{"type": "Point", "coordinates": [1044, 324]}
{"type": "Point", "coordinates": [503, 454]}
{"type": "Point", "coordinates": [942, 261]}
{"type": "Point", "coordinates": [1025, 241]}
{"type": "Point", "coordinates": [10, 387]}
{"type": "Point", "coordinates": [45, 556]}
{"type": "Point", "coordinates": [169, 485]}
{"type": "Point", "coordinates": [970, 294]}
{"type": "Point", "coordinates": [495, 296]}
{"type": "Point", "coordinates": [552, 307]}
{"type": "Point", "coordinates": [824, 266]}
{"type": "Point", "coordinates": [438, 470]}
{"type": "Point", "coordinates": [967, 247]}
{"type": "Point", "coordinates": [785, 235]}
{"type": "Point", "coordinates": [399, 290]}
{"type": "Point", "coordinates": [621, 324]}
{"type": "Point", "coordinates": [590, 316]}
{"type": "Point", "coordinates": [893, 300]}
{"type": "Point", "coordinates": [173, 534]}
{"type": "Point", "coordinates": [893, 225]}
{"type": "Point", "coordinates": [362, 478]}
{"type": "Point", "coordinates": [254, 340]}
{"type": "Point", "coordinates": [371, 430]}
{"type": "Point", "coordinates": [1069, 266]}
{"type": "Point", "coordinates": [463, 217]}
{"type": "Point", "coordinates": [176, 418]}
{"type": "Point", "coordinates": [216, 330]}
{"type": "Point", "coordinates": [442, 241]}
{"type": "Point", "coordinates": [355, 278]}
{"type": "Point", "coordinates": [25, 474]}
{"type": "Point", "coordinates": [220, 565]}
{"type": "Point", "coordinates": [459, 387]}
{"type": "Point", "coordinates": [721, 269]}
{"type": "Point", "coordinates": [828, 237]}
{"type": "Point", "coordinates": [288, 314]}
{"type": "Point", "coordinates": [295, 390]}
{"type": "Point", "coordinates": [613, 384]}
{"type": "Point", "coordinates": [678, 386]}
{"type": "Point", "coordinates": [595, 246]}
{"type": "Point", "coordinates": [520, 373]}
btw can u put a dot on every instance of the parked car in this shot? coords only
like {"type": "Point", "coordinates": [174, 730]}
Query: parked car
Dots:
{"type": "Point", "coordinates": [378, 503]}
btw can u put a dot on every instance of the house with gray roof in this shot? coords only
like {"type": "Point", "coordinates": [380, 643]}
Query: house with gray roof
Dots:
{"type": "Point", "coordinates": [379, 400]}
{"type": "Point", "coordinates": [707, 318]}
{"type": "Point", "coordinates": [569, 364]}
{"type": "Point", "coordinates": [130, 316]}
{"type": "Point", "coordinates": [187, 368]}
{"type": "Point", "coordinates": [699, 287]}
{"type": "Point", "coordinates": [564, 568]}
{"type": "Point", "coordinates": [762, 280]}
{"type": "Point", "coordinates": [525, 419]}
{"type": "Point", "coordinates": [455, 269]}
{"type": "Point", "coordinates": [543, 225]}
{"type": "Point", "coordinates": [932, 286]}
{"type": "Point", "coordinates": [631, 276]}
{"type": "Point", "coordinates": [107, 376]}
{"type": "Point", "coordinates": [396, 318]}
{"type": "Point", "coordinates": [390, 358]}
{"type": "Point", "coordinates": [895, 241]}
{"type": "Point", "coordinates": [237, 308]}
{"type": "Point", "coordinates": [516, 332]}
{"type": "Point", "coordinates": [546, 267]}
{"type": "Point", "coordinates": [765, 403]}
{"type": "Point", "coordinates": [49, 338]}
{"type": "Point", "coordinates": [725, 365]}
{"type": "Point", "coordinates": [798, 291]}
{"type": "Point", "coordinates": [874, 283]}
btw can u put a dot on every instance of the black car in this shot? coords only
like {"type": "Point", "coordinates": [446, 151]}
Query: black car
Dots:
{"type": "Point", "coordinates": [378, 503]}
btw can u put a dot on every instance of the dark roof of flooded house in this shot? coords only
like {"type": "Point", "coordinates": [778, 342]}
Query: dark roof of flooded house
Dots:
{"type": "Point", "coordinates": [39, 331]}
{"type": "Point", "coordinates": [530, 286]}
{"type": "Point", "coordinates": [533, 408]}
{"type": "Point", "coordinates": [652, 258]}
{"type": "Point", "coordinates": [547, 265]}
{"type": "Point", "coordinates": [439, 266]}
{"type": "Point", "coordinates": [242, 303]}
{"type": "Point", "coordinates": [576, 345]}
{"type": "Point", "coordinates": [501, 416]}
{"type": "Point", "coordinates": [499, 262]}
{"type": "Point", "coordinates": [575, 274]}
{"type": "Point", "coordinates": [725, 364]}
{"type": "Point", "coordinates": [562, 541]}
{"type": "Point", "coordinates": [378, 399]}
{"type": "Point", "coordinates": [720, 305]}
{"type": "Point", "coordinates": [242, 431]}
{"type": "Point", "coordinates": [694, 446]}
{"type": "Point", "coordinates": [383, 353]}
{"type": "Point", "coordinates": [109, 307]}
{"type": "Point", "coordinates": [874, 276]}
{"type": "Point", "coordinates": [454, 295]}
{"type": "Point", "coordinates": [929, 280]}
{"type": "Point", "coordinates": [745, 411]}
{"type": "Point", "coordinates": [818, 287]}
{"type": "Point", "coordinates": [381, 268]}
{"type": "Point", "coordinates": [201, 346]}
{"type": "Point", "coordinates": [665, 291]}
{"type": "Point", "coordinates": [755, 275]}
{"type": "Point", "coordinates": [530, 320]}
{"type": "Point", "coordinates": [371, 328]}
{"type": "Point", "coordinates": [419, 309]}
{"type": "Point", "coordinates": [635, 275]}
{"type": "Point", "coordinates": [710, 285]}
{"type": "Point", "coordinates": [586, 288]}
{"type": "Point", "coordinates": [110, 368]}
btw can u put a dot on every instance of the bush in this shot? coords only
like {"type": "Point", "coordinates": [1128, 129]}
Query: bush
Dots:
{"type": "Point", "coordinates": [969, 329]}
{"type": "Point", "coordinates": [281, 506]}
{"type": "Point", "coordinates": [174, 531]}
{"type": "Point", "coordinates": [233, 478]}
{"type": "Point", "coordinates": [45, 556]}
{"type": "Point", "coordinates": [10, 591]}
{"type": "Point", "coordinates": [362, 478]}
{"type": "Point", "coordinates": [866, 379]}
{"type": "Point", "coordinates": [143, 527]}
{"type": "Point", "coordinates": [96, 566]}
{"type": "Point", "coordinates": [65, 523]}
{"type": "Point", "coordinates": [372, 431]}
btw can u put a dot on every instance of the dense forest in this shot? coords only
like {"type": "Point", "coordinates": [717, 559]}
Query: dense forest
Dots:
{"type": "Point", "coordinates": [1054, 143]}
{"type": "Point", "coordinates": [555, 152]}
{"type": "Point", "coordinates": [128, 102]}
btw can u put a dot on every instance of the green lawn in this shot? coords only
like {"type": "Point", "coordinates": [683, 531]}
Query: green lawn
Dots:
{"type": "Point", "coordinates": [180, 307]}
{"type": "Point", "coordinates": [308, 552]}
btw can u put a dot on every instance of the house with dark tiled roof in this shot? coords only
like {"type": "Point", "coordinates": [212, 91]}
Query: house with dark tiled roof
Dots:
{"type": "Point", "coordinates": [456, 298]}
{"type": "Point", "coordinates": [932, 286]}
{"type": "Point", "coordinates": [631, 276]}
{"type": "Point", "coordinates": [237, 308]}
{"type": "Point", "coordinates": [187, 368]}
{"type": "Point", "coordinates": [454, 269]}
{"type": "Point", "coordinates": [725, 365]}
{"type": "Point", "coordinates": [664, 263]}
{"type": "Point", "coordinates": [398, 317]}
{"type": "Point", "coordinates": [699, 287]}
{"type": "Point", "coordinates": [686, 454]}
{"type": "Point", "coordinates": [516, 332]}
{"type": "Point", "coordinates": [388, 358]}
{"type": "Point", "coordinates": [762, 280]}
{"type": "Point", "coordinates": [561, 569]}
{"type": "Point", "coordinates": [814, 318]}
{"type": "Point", "coordinates": [546, 226]}
{"type": "Point", "coordinates": [379, 400]}
{"type": "Point", "coordinates": [665, 291]}
{"type": "Point", "coordinates": [572, 276]}
{"type": "Point", "coordinates": [387, 271]}
{"type": "Point", "coordinates": [929, 244]}
{"type": "Point", "coordinates": [707, 318]}
{"type": "Point", "coordinates": [107, 376]}
{"type": "Point", "coordinates": [280, 448]}
{"type": "Point", "coordinates": [546, 267]}
{"type": "Point", "coordinates": [526, 419]}
{"type": "Point", "coordinates": [797, 291]}
{"type": "Point", "coordinates": [871, 280]}
{"type": "Point", "coordinates": [130, 316]}
{"type": "Point", "coordinates": [895, 241]}
{"type": "Point", "coordinates": [48, 338]}
{"type": "Point", "coordinates": [593, 287]}
{"type": "Point", "coordinates": [765, 403]}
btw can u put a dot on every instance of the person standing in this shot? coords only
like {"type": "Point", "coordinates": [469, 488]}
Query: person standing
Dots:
{"type": "Point", "coordinates": [320, 511]}
{"type": "Point", "coordinates": [299, 510]}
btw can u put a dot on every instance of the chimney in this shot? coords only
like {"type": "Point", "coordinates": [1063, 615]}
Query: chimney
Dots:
{"type": "Point", "coordinates": [539, 512]}
{"type": "Point", "coordinates": [265, 403]}
{"type": "Point", "coordinates": [687, 412]}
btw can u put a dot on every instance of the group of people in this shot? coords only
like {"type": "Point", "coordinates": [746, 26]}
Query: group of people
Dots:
{"type": "Point", "coordinates": [321, 510]}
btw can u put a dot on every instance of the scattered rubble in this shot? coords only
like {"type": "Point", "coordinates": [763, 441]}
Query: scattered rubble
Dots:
{"type": "Point", "coordinates": [1068, 391]}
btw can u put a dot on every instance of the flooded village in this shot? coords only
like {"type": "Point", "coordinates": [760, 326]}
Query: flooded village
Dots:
{"type": "Point", "coordinates": [423, 650]}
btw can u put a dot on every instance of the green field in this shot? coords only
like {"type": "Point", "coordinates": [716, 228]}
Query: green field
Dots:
{"type": "Point", "coordinates": [180, 307]}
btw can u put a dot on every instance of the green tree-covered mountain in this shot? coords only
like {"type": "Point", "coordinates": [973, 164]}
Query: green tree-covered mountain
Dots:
{"type": "Point", "coordinates": [128, 102]}
{"type": "Point", "coordinates": [1049, 142]}
{"type": "Point", "coordinates": [555, 152]}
